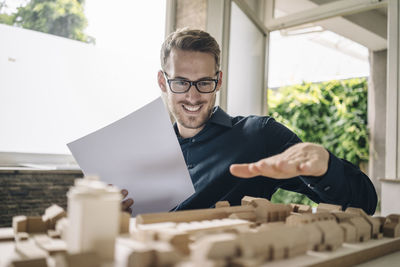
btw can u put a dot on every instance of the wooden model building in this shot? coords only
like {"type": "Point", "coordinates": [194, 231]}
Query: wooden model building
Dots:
{"type": "Point", "coordinates": [256, 233]}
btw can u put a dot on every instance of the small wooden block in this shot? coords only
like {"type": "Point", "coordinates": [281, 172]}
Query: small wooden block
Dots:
{"type": "Point", "coordinates": [54, 234]}
{"type": "Point", "coordinates": [375, 224]}
{"type": "Point", "coordinates": [21, 236]}
{"type": "Point", "coordinates": [222, 204]}
{"type": "Point", "coordinates": [391, 228]}
{"type": "Point", "coordinates": [124, 222]}
{"type": "Point", "coordinates": [246, 200]}
{"type": "Point", "coordinates": [6, 234]}
{"type": "Point", "coordinates": [216, 247]}
{"type": "Point", "coordinates": [86, 259]}
{"type": "Point", "coordinates": [342, 217]}
{"type": "Point", "coordinates": [332, 234]}
{"type": "Point", "coordinates": [180, 241]}
{"type": "Point", "coordinates": [300, 208]}
{"type": "Point", "coordinates": [249, 216]}
{"type": "Point", "coordinates": [50, 245]}
{"type": "Point", "coordinates": [314, 235]}
{"type": "Point", "coordinates": [142, 258]}
{"type": "Point", "coordinates": [52, 214]}
{"type": "Point", "coordinates": [35, 224]}
{"type": "Point", "coordinates": [349, 231]}
{"type": "Point", "coordinates": [29, 250]}
{"type": "Point", "coordinates": [325, 207]}
{"type": "Point", "coordinates": [19, 224]}
{"type": "Point", "coordinates": [363, 229]}
{"type": "Point", "coordinates": [41, 262]}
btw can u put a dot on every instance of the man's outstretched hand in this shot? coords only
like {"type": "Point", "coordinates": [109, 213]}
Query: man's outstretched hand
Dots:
{"type": "Point", "coordinates": [300, 159]}
{"type": "Point", "coordinates": [126, 203]}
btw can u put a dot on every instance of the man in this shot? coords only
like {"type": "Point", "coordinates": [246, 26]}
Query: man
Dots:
{"type": "Point", "coordinates": [218, 148]}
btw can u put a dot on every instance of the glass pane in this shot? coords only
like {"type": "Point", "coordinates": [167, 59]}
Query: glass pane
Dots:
{"type": "Point", "coordinates": [245, 81]}
{"type": "Point", "coordinates": [54, 89]}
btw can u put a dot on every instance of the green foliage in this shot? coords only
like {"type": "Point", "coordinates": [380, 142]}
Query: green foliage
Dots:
{"type": "Point", "coordinates": [332, 113]}
{"type": "Point", "coordinates": [59, 17]}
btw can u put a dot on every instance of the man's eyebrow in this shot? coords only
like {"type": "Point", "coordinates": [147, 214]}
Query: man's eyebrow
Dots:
{"type": "Point", "coordinates": [202, 78]}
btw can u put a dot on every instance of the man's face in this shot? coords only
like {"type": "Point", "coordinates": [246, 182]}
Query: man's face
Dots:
{"type": "Point", "coordinates": [191, 109]}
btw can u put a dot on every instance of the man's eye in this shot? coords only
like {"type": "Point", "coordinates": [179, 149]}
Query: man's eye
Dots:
{"type": "Point", "coordinates": [181, 83]}
{"type": "Point", "coordinates": [204, 83]}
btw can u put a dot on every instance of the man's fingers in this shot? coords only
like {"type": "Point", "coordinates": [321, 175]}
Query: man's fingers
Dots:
{"type": "Point", "coordinates": [124, 193]}
{"type": "Point", "coordinates": [127, 203]}
{"type": "Point", "coordinates": [244, 170]}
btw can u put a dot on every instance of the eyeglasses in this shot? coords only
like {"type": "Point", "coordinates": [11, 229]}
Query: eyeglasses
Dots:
{"type": "Point", "coordinates": [181, 86]}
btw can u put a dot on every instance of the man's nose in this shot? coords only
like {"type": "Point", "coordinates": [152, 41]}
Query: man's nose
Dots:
{"type": "Point", "coordinates": [193, 92]}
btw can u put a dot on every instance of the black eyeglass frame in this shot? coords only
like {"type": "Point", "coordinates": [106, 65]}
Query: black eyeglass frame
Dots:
{"type": "Point", "coordinates": [191, 83]}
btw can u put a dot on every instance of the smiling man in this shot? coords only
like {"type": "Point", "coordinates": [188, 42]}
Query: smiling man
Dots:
{"type": "Point", "coordinates": [231, 157]}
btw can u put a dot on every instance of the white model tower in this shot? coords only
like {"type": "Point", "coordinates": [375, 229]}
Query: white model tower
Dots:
{"type": "Point", "coordinates": [93, 215]}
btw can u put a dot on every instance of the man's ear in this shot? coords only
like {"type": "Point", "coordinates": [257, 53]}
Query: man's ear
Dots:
{"type": "Point", "coordinates": [161, 81]}
{"type": "Point", "coordinates": [219, 80]}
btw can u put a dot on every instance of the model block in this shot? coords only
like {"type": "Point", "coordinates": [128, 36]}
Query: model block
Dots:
{"type": "Point", "coordinates": [250, 216]}
{"type": "Point", "coordinates": [215, 247]}
{"type": "Point", "coordinates": [53, 234]}
{"type": "Point", "coordinates": [391, 228]}
{"type": "Point", "coordinates": [85, 259]}
{"type": "Point", "coordinates": [191, 215]}
{"type": "Point", "coordinates": [29, 250]}
{"type": "Point", "coordinates": [165, 254]}
{"type": "Point", "coordinates": [375, 225]}
{"type": "Point", "coordinates": [246, 262]}
{"type": "Point", "coordinates": [6, 234]}
{"type": "Point", "coordinates": [297, 219]}
{"type": "Point", "coordinates": [52, 214]}
{"type": "Point", "coordinates": [93, 217]}
{"type": "Point", "coordinates": [332, 235]}
{"type": "Point", "coordinates": [141, 258]}
{"type": "Point", "coordinates": [325, 207]}
{"type": "Point", "coordinates": [246, 200]}
{"type": "Point", "coordinates": [62, 228]}
{"type": "Point", "coordinates": [180, 241]}
{"type": "Point", "coordinates": [381, 221]}
{"type": "Point", "coordinates": [300, 208]}
{"type": "Point", "coordinates": [50, 245]}
{"type": "Point", "coordinates": [124, 222]}
{"type": "Point", "coordinates": [363, 229]}
{"type": "Point", "coordinates": [349, 232]}
{"type": "Point", "coordinates": [41, 262]}
{"type": "Point", "coordinates": [278, 242]}
{"type": "Point", "coordinates": [21, 236]}
{"type": "Point", "coordinates": [314, 235]}
{"type": "Point", "coordinates": [35, 224]}
{"type": "Point", "coordinates": [222, 204]}
{"type": "Point", "coordinates": [19, 224]}
{"type": "Point", "coordinates": [342, 217]}
{"type": "Point", "coordinates": [269, 212]}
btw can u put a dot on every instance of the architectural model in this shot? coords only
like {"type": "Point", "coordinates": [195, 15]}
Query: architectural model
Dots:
{"type": "Point", "coordinates": [256, 233]}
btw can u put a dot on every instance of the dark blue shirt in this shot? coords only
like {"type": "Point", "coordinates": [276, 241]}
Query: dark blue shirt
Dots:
{"type": "Point", "coordinates": [226, 140]}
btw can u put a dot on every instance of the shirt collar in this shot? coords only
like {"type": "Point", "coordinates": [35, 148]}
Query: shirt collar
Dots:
{"type": "Point", "coordinates": [220, 117]}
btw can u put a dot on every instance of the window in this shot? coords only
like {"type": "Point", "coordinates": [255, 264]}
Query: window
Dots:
{"type": "Point", "coordinates": [55, 89]}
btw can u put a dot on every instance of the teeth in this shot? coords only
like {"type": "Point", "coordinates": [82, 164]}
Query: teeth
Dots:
{"type": "Point", "coordinates": [192, 108]}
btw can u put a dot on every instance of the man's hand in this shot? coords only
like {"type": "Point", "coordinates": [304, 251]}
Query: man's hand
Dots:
{"type": "Point", "coordinates": [126, 202]}
{"type": "Point", "coordinates": [300, 159]}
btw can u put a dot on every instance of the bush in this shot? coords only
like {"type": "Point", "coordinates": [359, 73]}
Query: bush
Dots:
{"type": "Point", "coordinates": [333, 114]}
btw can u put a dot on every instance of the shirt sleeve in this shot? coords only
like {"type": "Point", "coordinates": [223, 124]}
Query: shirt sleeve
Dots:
{"type": "Point", "coordinates": [343, 184]}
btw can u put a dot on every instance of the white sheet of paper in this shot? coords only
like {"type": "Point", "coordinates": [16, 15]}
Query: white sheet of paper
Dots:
{"type": "Point", "coordinates": [140, 153]}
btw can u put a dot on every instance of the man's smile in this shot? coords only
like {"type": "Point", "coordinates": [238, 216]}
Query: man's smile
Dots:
{"type": "Point", "coordinates": [192, 109]}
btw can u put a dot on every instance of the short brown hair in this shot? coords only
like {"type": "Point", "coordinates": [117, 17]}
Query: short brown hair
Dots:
{"type": "Point", "coordinates": [190, 40]}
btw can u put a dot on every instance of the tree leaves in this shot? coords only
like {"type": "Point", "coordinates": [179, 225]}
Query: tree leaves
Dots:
{"type": "Point", "coordinates": [332, 113]}
{"type": "Point", "coordinates": [59, 17]}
